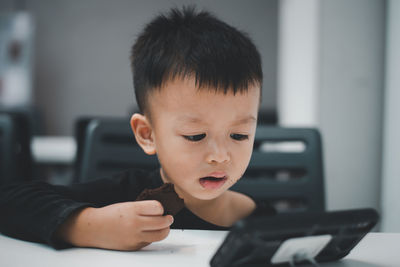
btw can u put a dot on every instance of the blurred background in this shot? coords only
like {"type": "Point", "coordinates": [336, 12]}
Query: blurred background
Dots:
{"type": "Point", "coordinates": [81, 52]}
{"type": "Point", "coordinates": [329, 64]}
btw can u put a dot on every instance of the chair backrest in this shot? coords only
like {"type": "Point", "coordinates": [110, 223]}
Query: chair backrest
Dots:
{"type": "Point", "coordinates": [106, 146]}
{"type": "Point", "coordinates": [15, 154]}
{"type": "Point", "coordinates": [286, 169]}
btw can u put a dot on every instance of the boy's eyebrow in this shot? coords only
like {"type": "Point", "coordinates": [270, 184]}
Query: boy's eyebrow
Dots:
{"type": "Point", "coordinates": [248, 119]}
{"type": "Point", "coordinates": [244, 120]}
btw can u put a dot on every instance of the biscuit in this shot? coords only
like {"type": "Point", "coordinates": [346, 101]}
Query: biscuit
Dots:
{"type": "Point", "coordinates": [166, 195]}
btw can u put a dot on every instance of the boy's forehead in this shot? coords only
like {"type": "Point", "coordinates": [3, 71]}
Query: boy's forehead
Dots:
{"type": "Point", "coordinates": [198, 119]}
{"type": "Point", "coordinates": [180, 93]}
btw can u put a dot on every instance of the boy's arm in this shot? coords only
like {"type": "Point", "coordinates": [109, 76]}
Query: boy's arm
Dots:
{"type": "Point", "coordinates": [121, 226]}
{"type": "Point", "coordinates": [35, 211]}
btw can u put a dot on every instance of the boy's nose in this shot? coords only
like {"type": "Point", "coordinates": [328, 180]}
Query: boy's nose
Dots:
{"type": "Point", "coordinates": [218, 154]}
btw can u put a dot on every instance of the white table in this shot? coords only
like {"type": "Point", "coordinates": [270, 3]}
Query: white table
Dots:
{"type": "Point", "coordinates": [181, 248]}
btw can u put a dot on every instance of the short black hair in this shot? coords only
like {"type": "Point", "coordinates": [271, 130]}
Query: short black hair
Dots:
{"type": "Point", "coordinates": [186, 43]}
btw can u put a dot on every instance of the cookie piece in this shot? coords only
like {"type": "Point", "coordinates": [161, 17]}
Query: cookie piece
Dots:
{"type": "Point", "coordinates": [166, 195]}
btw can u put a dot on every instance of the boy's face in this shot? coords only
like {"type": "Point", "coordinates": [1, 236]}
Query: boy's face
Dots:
{"type": "Point", "coordinates": [202, 133]}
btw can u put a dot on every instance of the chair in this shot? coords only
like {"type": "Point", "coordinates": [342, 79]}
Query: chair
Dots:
{"type": "Point", "coordinates": [267, 117]}
{"type": "Point", "coordinates": [106, 146]}
{"type": "Point", "coordinates": [32, 116]}
{"type": "Point", "coordinates": [286, 169]}
{"type": "Point", "coordinates": [15, 154]}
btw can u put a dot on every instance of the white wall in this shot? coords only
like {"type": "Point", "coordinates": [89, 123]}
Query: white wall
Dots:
{"type": "Point", "coordinates": [298, 62]}
{"type": "Point", "coordinates": [349, 50]}
{"type": "Point", "coordinates": [391, 152]}
{"type": "Point", "coordinates": [351, 101]}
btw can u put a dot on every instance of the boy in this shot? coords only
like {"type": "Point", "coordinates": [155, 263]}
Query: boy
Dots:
{"type": "Point", "coordinates": [198, 85]}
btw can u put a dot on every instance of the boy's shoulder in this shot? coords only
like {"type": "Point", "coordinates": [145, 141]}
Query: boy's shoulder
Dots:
{"type": "Point", "coordinates": [242, 204]}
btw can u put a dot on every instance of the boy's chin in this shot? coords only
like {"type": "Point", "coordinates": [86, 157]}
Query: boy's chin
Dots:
{"type": "Point", "coordinates": [198, 192]}
{"type": "Point", "coordinates": [208, 195]}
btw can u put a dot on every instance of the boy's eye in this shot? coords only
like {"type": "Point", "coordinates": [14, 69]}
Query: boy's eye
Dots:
{"type": "Point", "coordinates": [194, 138]}
{"type": "Point", "coordinates": [239, 137]}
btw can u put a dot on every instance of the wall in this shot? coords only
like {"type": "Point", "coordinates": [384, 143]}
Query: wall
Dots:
{"type": "Point", "coordinates": [298, 62]}
{"type": "Point", "coordinates": [391, 149]}
{"type": "Point", "coordinates": [349, 49]}
{"type": "Point", "coordinates": [82, 52]}
{"type": "Point", "coordinates": [351, 102]}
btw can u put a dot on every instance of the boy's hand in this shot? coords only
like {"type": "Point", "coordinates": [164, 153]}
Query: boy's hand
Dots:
{"type": "Point", "coordinates": [121, 226]}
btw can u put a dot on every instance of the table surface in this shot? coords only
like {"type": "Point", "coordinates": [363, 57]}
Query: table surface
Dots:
{"type": "Point", "coordinates": [181, 248]}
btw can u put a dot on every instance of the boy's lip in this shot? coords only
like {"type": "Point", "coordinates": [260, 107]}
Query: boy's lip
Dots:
{"type": "Point", "coordinates": [218, 174]}
{"type": "Point", "coordinates": [220, 179]}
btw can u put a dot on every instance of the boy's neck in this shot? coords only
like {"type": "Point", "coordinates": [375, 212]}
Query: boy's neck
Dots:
{"type": "Point", "coordinates": [200, 205]}
{"type": "Point", "coordinates": [213, 210]}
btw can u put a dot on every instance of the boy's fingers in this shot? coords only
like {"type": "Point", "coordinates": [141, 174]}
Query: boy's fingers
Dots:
{"type": "Point", "coordinates": [151, 223]}
{"type": "Point", "coordinates": [140, 246]}
{"type": "Point", "coordinates": [154, 236]}
{"type": "Point", "coordinates": [149, 207]}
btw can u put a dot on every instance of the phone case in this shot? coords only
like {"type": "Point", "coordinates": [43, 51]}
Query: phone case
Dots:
{"type": "Point", "coordinates": [324, 236]}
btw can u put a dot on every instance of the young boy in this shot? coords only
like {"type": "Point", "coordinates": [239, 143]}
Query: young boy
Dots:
{"type": "Point", "coordinates": [198, 85]}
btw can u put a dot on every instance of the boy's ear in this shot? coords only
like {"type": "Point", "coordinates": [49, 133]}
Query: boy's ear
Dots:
{"type": "Point", "coordinates": [143, 132]}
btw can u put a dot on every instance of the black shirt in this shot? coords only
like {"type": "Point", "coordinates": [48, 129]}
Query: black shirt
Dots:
{"type": "Point", "coordinates": [34, 211]}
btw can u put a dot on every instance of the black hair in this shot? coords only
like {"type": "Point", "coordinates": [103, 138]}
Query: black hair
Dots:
{"type": "Point", "coordinates": [186, 43]}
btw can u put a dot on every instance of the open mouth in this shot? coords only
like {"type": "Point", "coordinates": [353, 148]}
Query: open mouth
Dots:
{"type": "Point", "coordinates": [211, 182]}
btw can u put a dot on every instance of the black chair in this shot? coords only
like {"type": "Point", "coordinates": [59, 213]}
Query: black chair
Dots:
{"type": "Point", "coordinates": [106, 146]}
{"type": "Point", "coordinates": [286, 169]}
{"type": "Point", "coordinates": [267, 117]}
{"type": "Point", "coordinates": [15, 154]}
{"type": "Point", "coordinates": [32, 115]}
